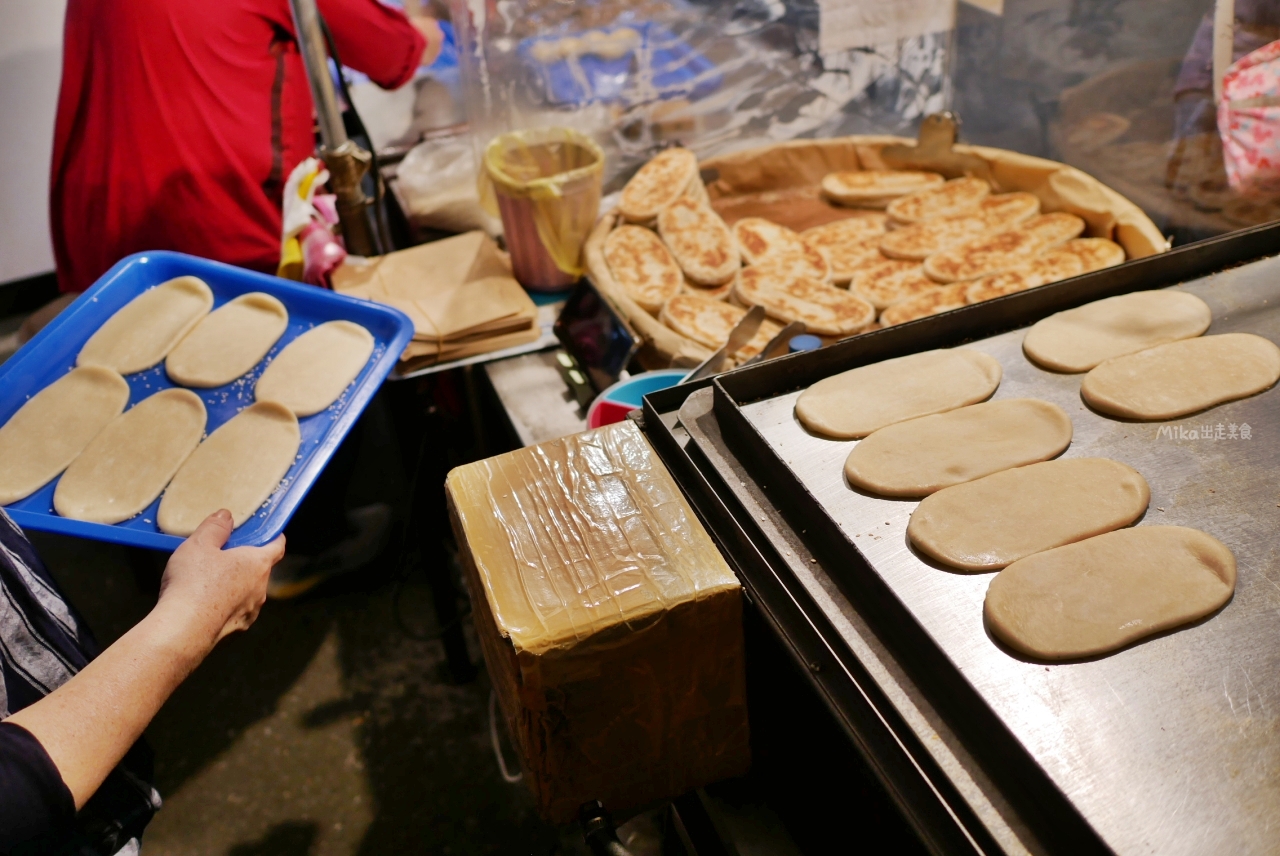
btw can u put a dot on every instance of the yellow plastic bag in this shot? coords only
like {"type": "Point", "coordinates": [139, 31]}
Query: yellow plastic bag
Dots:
{"type": "Point", "coordinates": [546, 185]}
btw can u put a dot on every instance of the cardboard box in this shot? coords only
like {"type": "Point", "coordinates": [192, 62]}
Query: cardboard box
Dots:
{"type": "Point", "coordinates": [610, 623]}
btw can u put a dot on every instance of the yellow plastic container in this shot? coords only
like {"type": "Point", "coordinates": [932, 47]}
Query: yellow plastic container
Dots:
{"type": "Point", "coordinates": [546, 183]}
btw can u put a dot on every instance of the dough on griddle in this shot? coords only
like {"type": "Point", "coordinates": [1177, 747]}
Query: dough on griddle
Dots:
{"type": "Point", "coordinates": [852, 404]}
{"type": "Point", "coordinates": [922, 456]}
{"type": "Point", "coordinates": [1183, 377]}
{"type": "Point", "coordinates": [1100, 594]}
{"type": "Point", "coordinates": [316, 368]}
{"type": "Point", "coordinates": [126, 466]}
{"type": "Point", "coordinates": [1079, 339]}
{"type": "Point", "coordinates": [54, 426]}
{"type": "Point", "coordinates": [992, 522]}
{"type": "Point", "coordinates": [237, 468]}
{"type": "Point", "coordinates": [147, 328]}
{"type": "Point", "coordinates": [228, 341]}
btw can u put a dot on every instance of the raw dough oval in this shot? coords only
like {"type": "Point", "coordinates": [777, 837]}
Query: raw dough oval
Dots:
{"type": "Point", "coordinates": [1183, 377]}
{"type": "Point", "coordinates": [128, 464]}
{"type": "Point", "coordinates": [317, 367]}
{"type": "Point", "coordinates": [146, 329]}
{"type": "Point", "coordinates": [922, 456]}
{"type": "Point", "coordinates": [1079, 339]}
{"type": "Point", "coordinates": [852, 404]}
{"type": "Point", "coordinates": [987, 524]}
{"type": "Point", "coordinates": [54, 426]}
{"type": "Point", "coordinates": [1100, 594]}
{"type": "Point", "coordinates": [237, 468]}
{"type": "Point", "coordinates": [228, 341]}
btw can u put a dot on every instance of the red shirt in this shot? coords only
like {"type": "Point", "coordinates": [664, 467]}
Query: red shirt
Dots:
{"type": "Point", "coordinates": [179, 121]}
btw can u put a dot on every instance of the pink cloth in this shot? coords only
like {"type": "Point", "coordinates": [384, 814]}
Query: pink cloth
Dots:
{"type": "Point", "coordinates": [1249, 121]}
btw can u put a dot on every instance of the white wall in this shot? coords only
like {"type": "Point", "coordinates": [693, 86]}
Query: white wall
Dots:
{"type": "Point", "coordinates": [30, 68]}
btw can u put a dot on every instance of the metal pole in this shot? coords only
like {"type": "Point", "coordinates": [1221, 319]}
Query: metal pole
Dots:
{"type": "Point", "coordinates": [347, 162]}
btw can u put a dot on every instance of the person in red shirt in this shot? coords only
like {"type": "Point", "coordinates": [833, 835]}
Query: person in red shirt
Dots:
{"type": "Point", "coordinates": [179, 121]}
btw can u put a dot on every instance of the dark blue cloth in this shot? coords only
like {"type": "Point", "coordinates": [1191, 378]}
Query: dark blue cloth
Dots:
{"type": "Point", "coordinates": [43, 644]}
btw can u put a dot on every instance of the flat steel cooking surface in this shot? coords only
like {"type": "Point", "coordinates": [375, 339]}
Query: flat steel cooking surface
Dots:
{"type": "Point", "coordinates": [1171, 745]}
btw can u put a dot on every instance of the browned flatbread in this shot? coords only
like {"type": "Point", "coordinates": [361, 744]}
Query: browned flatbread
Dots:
{"type": "Point", "coordinates": [1003, 249]}
{"type": "Point", "coordinates": [848, 245]}
{"type": "Point", "coordinates": [942, 299]}
{"type": "Point", "coordinates": [890, 281]}
{"type": "Point", "coordinates": [642, 266]}
{"type": "Point", "coordinates": [824, 309]}
{"type": "Point", "coordinates": [711, 292]}
{"type": "Point", "coordinates": [921, 240]}
{"type": "Point", "coordinates": [762, 240]}
{"type": "Point", "coordinates": [1057, 264]}
{"type": "Point", "coordinates": [702, 244]}
{"type": "Point", "coordinates": [657, 184]}
{"type": "Point", "coordinates": [1095, 253]}
{"type": "Point", "coordinates": [958, 196]}
{"type": "Point", "coordinates": [876, 188]}
{"type": "Point", "coordinates": [709, 322]}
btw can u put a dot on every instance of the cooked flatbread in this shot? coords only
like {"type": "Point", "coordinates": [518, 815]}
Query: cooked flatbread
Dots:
{"type": "Point", "coordinates": [891, 281]}
{"type": "Point", "coordinates": [1103, 593]}
{"type": "Point", "coordinates": [852, 404]}
{"type": "Point", "coordinates": [876, 188]}
{"type": "Point", "coordinates": [657, 184]}
{"type": "Point", "coordinates": [712, 292]}
{"type": "Point", "coordinates": [699, 240]}
{"type": "Point", "coordinates": [1095, 253]}
{"type": "Point", "coordinates": [921, 240]}
{"type": "Point", "coordinates": [709, 322]}
{"type": "Point", "coordinates": [642, 266]}
{"type": "Point", "coordinates": [851, 229]}
{"type": "Point", "coordinates": [144, 331]}
{"type": "Point", "coordinates": [824, 309]}
{"type": "Point", "coordinates": [1184, 377]}
{"type": "Point", "coordinates": [237, 467]}
{"type": "Point", "coordinates": [1079, 339]}
{"type": "Point", "coordinates": [992, 522]}
{"type": "Point", "coordinates": [126, 466]}
{"type": "Point", "coordinates": [761, 240]}
{"type": "Point", "coordinates": [941, 299]}
{"type": "Point", "coordinates": [228, 342]}
{"type": "Point", "coordinates": [957, 196]}
{"type": "Point", "coordinates": [1003, 249]}
{"type": "Point", "coordinates": [922, 456]}
{"type": "Point", "coordinates": [844, 256]}
{"type": "Point", "coordinates": [1057, 264]}
{"type": "Point", "coordinates": [54, 426]}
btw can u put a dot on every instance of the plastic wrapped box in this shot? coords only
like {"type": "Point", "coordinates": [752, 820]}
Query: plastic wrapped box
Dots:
{"type": "Point", "coordinates": [610, 623]}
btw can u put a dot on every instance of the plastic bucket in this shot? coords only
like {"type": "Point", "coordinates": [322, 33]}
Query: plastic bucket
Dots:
{"type": "Point", "coordinates": [547, 186]}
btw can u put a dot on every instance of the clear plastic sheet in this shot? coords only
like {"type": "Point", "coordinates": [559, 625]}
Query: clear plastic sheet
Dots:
{"type": "Point", "coordinates": [610, 624]}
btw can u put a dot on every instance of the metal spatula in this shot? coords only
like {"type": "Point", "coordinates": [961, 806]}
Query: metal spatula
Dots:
{"type": "Point", "coordinates": [744, 331]}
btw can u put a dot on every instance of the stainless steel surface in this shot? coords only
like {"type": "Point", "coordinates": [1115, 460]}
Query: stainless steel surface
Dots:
{"type": "Point", "coordinates": [1169, 746]}
{"type": "Point", "coordinates": [315, 58]}
{"type": "Point", "coordinates": [744, 331]}
{"type": "Point", "coordinates": [931, 730]}
{"type": "Point", "coordinates": [538, 404]}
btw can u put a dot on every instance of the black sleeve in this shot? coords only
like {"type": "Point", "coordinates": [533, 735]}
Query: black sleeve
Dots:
{"type": "Point", "coordinates": [34, 801]}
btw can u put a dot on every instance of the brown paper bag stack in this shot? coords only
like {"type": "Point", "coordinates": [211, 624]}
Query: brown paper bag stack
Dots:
{"type": "Point", "coordinates": [458, 291]}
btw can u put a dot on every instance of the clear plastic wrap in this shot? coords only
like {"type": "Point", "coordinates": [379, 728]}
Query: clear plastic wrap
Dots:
{"type": "Point", "coordinates": [610, 623]}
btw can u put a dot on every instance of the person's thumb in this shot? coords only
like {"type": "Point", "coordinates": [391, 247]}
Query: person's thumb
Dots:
{"type": "Point", "coordinates": [215, 530]}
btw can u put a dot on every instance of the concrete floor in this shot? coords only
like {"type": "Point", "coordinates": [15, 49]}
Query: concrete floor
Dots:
{"type": "Point", "coordinates": [327, 729]}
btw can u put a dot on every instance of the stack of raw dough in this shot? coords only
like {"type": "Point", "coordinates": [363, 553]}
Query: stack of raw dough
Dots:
{"type": "Point", "coordinates": [116, 463]}
{"type": "Point", "coordinates": [1073, 581]}
{"type": "Point", "coordinates": [936, 245]}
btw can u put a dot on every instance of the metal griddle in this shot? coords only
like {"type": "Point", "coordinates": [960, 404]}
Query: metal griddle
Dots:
{"type": "Point", "coordinates": [1168, 746]}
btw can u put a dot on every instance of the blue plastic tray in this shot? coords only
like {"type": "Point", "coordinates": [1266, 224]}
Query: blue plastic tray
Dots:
{"type": "Point", "coordinates": [678, 71]}
{"type": "Point", "coordinates": [52, 354]}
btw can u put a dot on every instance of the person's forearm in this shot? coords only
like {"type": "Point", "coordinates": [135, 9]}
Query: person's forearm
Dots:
{"type": "Point", "coordinates": [89, 723]}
